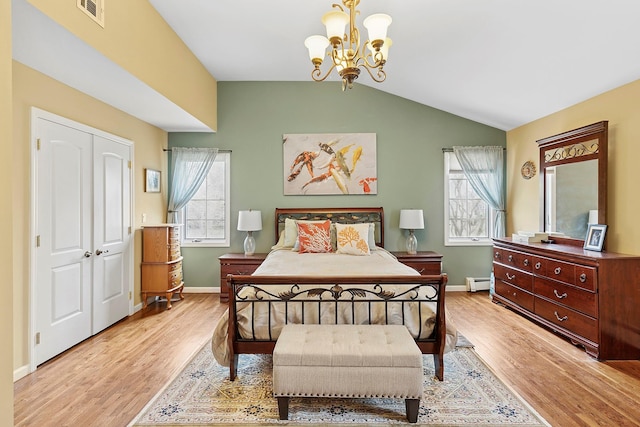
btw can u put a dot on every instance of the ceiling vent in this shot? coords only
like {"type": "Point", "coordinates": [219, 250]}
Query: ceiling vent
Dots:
{"type": "Point", "coordinates": [93, 8]}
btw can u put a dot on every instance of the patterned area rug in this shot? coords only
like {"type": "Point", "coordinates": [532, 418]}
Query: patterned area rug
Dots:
{"type": "Point", "coordinates": [202, 395]}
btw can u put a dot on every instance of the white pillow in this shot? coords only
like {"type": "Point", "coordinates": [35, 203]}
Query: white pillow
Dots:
{"type": "Point", "coordinates": [290, 232]}
{"type": "Point", "coordinates": [372, 236]}
{"type": "Point", "coordinates": [353, 238]}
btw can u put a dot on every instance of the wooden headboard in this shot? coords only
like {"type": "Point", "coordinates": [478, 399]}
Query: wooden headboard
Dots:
{"type": "Point", "coordinates": [342, 215]}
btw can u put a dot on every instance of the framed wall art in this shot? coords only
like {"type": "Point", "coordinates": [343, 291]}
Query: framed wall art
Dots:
{"type": "Point", "coordinates": [152, 181]}
{"type": "Point", "coordinates": [595, 237]}
{"type": "Point", "coordinates": [330, 163]}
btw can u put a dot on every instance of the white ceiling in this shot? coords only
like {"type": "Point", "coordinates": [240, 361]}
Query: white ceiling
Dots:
{"type": "Point", "coordinates": [499, 62]}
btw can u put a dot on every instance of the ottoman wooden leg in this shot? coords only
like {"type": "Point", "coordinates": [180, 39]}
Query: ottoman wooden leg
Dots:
{"type": "Point", "coordinates": [283, 408]}
{"type": "Point", "coordinates": [412, 409]}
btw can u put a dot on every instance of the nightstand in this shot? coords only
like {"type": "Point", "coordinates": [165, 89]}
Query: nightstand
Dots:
{"type": "Point", "coordinates": [426, 262]}
{"type": "Point", "coordinates": [236, 264]}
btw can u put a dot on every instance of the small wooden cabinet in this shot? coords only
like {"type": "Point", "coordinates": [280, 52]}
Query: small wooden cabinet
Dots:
{"type": "Point", "coordinates": [161, 262]}
{"type": "Point", "coordinates": [589, 297]}
{"type": "Point", "coordinates": [236, 264]}
{"type": "Point", "coordinates": [426, 263]}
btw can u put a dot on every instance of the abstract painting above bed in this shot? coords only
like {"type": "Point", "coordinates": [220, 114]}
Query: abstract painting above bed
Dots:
{"type": "Point", "coordinates": [330, 163]}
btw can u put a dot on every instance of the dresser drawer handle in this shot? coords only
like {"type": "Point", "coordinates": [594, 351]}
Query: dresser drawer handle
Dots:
{"type": "Point", "coordinates": [560, 296]}
{"type": "Point", "coordinates": [538, 265]}
{"type": "Point", "coordinates": [583, 277]}
{"type": "Point", "coordinates": [561, 319]}
{"type": "Point", "coordinates": [421, 270]}
{"type": "Point", "coordinates": [511, 276]}
{"type": "Point", "coordinates": [496, 255]}
{"type": "Point", "coordinates": [558, 270]}
{"type": "Point", "coordinates": [510, 258]}
{"type": "Point", "coordinates": [526, 262]}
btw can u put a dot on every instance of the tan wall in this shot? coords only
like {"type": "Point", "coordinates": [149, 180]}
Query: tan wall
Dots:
{"type": "Point", "coordinates": [33, 89]}
{"type": "Point", "coordinates": [6, 218]}
{"type": "Point", "coordinates": [621, 108]}
{"type": "Point", "coordinates": [137, 38]}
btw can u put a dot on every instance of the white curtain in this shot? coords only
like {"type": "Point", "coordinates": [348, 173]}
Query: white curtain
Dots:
{"type": "Point", "coordinates": [484, 168]}
{"type": "Point", "coordinates": [189, 167]}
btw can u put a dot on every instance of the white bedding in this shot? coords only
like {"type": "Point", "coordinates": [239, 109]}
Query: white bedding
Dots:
{"type": "Point", "coordinates": [284, 262]}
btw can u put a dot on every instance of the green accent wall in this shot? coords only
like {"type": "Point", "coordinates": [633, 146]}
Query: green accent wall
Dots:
{"type": "Point", "coordinates": [253, 116]}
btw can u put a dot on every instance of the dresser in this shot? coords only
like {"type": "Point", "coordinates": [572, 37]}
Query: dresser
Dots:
{"type": "Point", "coordinates": [591, 298]}
{"type": "Point", "coordinates": [236, 264]}
{"type": "Point", "coordinates": [161, 262]}
{"type": "Point", "coordinates": [426, 263]}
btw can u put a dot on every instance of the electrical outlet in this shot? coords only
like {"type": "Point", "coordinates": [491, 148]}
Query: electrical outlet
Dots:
{"type": "Point", "coordinates": [144, 218]}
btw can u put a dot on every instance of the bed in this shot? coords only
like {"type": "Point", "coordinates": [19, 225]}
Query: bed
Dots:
{"type": "Point", "coordinates": [335, 286]}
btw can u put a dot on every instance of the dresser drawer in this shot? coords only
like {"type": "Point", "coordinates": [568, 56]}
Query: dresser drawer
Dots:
{"type": "Point", "coordinates": [425, 268]}
{"type": "Point", "coordinates": [174, 233]}
{"type": "Point", "coordinates": [512, 276]}
{"type": "Point", "coordinates": [568, 319]}
{"type": "Point", "coordinates": [515, 295]}
{"type": "Point", "coordinates": [244, 269]}
{"type": "Point", "coordinates": [515, 259]}
{"type": "Point", "coordinates": [569, 296]}
{"type": "Point", "coordinates": [586, 278]}
{"type": "Point", "coordinates": [559, 270]}
{"type": "Point", "coordinates": [175, 278]}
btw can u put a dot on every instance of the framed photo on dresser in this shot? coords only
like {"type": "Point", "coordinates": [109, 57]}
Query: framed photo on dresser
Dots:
{"type": "Point", "coordinates": [595, 237]}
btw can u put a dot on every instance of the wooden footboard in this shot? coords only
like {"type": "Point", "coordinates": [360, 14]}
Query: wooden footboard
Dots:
{"type": "Point", "coordinates": [278, 300]}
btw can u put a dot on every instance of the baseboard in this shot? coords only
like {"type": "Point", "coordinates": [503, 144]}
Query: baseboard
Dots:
{"type": "Point", "coordinates": [456, 288]}
{"type": "Point", "coordinates": [202, 290]}
{"type": "Point", "coordinates": [21, 372]}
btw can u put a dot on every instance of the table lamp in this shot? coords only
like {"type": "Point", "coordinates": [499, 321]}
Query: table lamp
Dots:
{"type": "Point", "coordinates": [249, 221]}
{"type": "Point", "coordinates": [411, 219]}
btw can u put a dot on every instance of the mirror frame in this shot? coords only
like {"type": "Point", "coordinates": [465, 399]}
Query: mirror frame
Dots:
{"type": "Point", "coordinates": [570, 147]}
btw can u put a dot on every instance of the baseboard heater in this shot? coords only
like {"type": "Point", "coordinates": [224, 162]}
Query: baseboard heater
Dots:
{"type": "Point", "coordinates": [478, 284]}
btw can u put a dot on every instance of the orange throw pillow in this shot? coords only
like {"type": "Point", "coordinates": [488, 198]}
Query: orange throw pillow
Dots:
{"type": "Point", "coordinates": [314, 237]}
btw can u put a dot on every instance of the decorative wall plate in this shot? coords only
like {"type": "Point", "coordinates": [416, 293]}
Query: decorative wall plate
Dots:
{"type": "Point", "coordinates": [528, 170]}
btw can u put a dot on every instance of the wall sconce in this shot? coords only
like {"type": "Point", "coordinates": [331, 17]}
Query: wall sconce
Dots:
{"type": "Point", "coordinates": [249, 221]}
{"type": "Point", "coordinates": [411, 219]}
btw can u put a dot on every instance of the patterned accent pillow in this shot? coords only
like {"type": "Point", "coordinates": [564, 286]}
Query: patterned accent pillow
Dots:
{"type": "Point", "coordinates": [314, 237]}
{"type": "Point", "coordinates": [353, 239]}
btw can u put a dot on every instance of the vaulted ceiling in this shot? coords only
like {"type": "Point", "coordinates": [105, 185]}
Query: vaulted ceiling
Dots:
{"type": "Point", "coordinates": [499, 62]}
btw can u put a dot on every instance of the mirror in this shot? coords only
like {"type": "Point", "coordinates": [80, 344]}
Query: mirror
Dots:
{"type": "Point", "coordinates": [574, 180]}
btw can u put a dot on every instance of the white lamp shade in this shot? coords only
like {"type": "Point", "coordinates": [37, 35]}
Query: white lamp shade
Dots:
{"type": "Point", "coordinates": [335, 21]}
{"type": "Point", "coordinates": [317, 46]}
{"type": "Point", "coordinates": [411, 219]}
{"type": "Point", "coordinates": [249, 221]}
{"type": "Point", "coordinates": [377, 25]}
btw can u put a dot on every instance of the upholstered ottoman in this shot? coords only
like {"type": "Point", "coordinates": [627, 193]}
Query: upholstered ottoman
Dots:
{"type": "Point", "coordinates": [347, 361]}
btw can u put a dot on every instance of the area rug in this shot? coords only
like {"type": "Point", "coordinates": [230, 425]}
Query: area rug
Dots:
{"type": "Point", "coordinates": [202, 395]}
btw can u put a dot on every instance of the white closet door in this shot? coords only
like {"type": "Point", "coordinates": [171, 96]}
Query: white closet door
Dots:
{"type": "Point", "coordinates": [64, 229]}
{"type": "Point", "coordinates": [112, 220]}
{"type": "Point", "coordinates": [82, 271]}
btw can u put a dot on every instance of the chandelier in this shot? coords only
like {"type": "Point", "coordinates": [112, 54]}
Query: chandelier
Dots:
{"type": "Point", "coordinates": [348, 57]}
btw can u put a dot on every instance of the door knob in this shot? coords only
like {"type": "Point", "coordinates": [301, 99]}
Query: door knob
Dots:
{"type": "Point", "coordinates": [98, 252]}
{"type": "Point", "coordinates": [87, 254]}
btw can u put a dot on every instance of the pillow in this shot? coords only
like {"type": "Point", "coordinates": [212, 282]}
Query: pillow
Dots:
{"type": "Point", "coordinates": [290, 232]}
{"type": "Point", "coordinates": [280, 243]}
{"type": "Point", "coordinates": [314, 237]}
{"type": "Point", "coordinates": [372, 236]}
{"type": "Point", "coordinates": [353, 238]}
{"type": "Point", "coordinates": [296, 245]}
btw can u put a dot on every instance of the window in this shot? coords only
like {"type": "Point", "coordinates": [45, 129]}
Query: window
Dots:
{"type": "Point", "coordinates": [467, 218]}
{"type": "Point", "coordinates": [207, 220]}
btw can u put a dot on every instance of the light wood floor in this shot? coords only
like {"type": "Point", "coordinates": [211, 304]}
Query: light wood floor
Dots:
{"type": "Point", "coordinates": [107, 379]}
